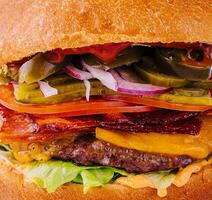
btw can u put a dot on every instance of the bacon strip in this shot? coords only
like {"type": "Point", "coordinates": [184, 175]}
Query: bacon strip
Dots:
{"type": "Point", "coordinates": [25, 127]}
{"type": "Point", "coordinates": [162, 121]}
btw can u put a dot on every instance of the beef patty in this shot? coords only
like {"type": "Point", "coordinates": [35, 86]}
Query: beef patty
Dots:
{"type": "Point", "coordinates": [87, 150]}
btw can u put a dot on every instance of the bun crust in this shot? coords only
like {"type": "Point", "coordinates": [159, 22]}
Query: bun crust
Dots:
{"type": "Point", "coordinates": [32, 26]}
{"type": "Point", "coordinates": [13, 187]}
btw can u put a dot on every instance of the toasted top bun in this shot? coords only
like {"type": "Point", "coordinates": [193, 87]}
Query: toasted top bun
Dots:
{"type": "Point", "coordinates": [32, 26]}
{"type": "Point", "coordinates": [13, 187]}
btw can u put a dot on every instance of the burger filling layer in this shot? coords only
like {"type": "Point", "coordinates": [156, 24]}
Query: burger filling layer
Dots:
{"type": "Point", "coordinates": [115, 112]}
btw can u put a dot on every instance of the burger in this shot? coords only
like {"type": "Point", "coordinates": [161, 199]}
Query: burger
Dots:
{"type": "Point", "coordinates": [105, 100]}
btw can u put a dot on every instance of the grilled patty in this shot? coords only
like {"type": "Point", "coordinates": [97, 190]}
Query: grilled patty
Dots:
{"type": "Point", "coordinates": [87, 150]}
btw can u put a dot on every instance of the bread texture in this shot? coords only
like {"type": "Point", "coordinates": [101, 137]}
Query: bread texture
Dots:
{"type": "Point", "coordinates": [31, 26]}
{"type": "Point", "coordinates": [13, 187]}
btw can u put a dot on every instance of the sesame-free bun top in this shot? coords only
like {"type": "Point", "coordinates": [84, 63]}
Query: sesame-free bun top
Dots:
{"type": "Point", "coordinates": [32, 26]}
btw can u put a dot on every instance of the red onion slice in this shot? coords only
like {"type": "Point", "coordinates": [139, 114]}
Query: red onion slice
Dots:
{"type": "Point", "coordinates": [46, 89]}
{"type": "Point", "coordinates": [87, 89]}
{"type": "Point", "coordinates": [14, 82]}
{"type": "Point", "coordinates": [128, 74]}
{"type": "Point", "coordinates": [77, 73]}
{"type": "Point", "coordinates": [2, 120]}
{"type": "Point", "coordinates": [106, 78]}
{"type": "Point", "coordinates": [127, 87]}
{"type": "Point", "coordinates": [81, 75]}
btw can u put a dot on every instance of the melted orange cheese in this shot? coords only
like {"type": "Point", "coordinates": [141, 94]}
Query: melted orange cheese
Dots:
{"type": "Point", "coordinates": [175, 144]}
{"type": "Point", "coordinates": [184, 175]}
{"type": "Point", "coordinates": [181, 178]}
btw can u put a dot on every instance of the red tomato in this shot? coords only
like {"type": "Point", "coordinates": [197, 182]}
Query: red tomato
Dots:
{"type": "Point", "coordinates": [158, 103]}
{"type": "Point", "coordinates": [72, 108]}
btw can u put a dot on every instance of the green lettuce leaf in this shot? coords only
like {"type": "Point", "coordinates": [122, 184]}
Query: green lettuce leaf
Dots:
{"type": "Point", "coordinates": [52, 174]}
{"type": "Point", "coordinates": [161, 179]}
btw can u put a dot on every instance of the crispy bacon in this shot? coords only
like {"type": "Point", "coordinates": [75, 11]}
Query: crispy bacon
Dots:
{"type": "Point", "coordinates": [14, 123]}
{"type": "Point", "coordinates": [162, 121]}
{"type": "Point", "coordinates": [191, 126]}
{"type": "Point", "coordinates": [25, 127]}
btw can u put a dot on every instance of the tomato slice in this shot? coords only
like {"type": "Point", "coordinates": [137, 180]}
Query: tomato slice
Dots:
{"type": "Point", "coordinates": [116, 104]}
{"type": "Point", "coordinates": [74, 108]}
{"type": "Point", "coordinates": [157, 103]}
{"type": "Point", "coordinates": [102, 110]}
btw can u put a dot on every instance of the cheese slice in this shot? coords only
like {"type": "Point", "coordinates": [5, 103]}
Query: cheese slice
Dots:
{"type": "Point", "coordinates": [175, 144]}
{"type": "Point", "coordinates": [181, 178]}
{"type": "Point", "coordinates": [184, 175]}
